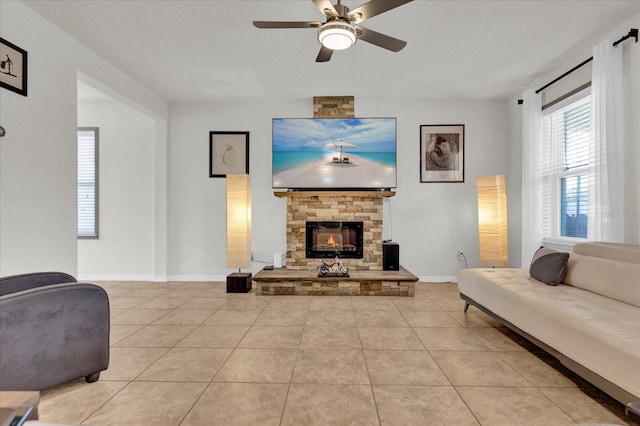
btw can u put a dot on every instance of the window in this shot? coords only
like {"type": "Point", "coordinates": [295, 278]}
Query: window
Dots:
{"type": "Point", "coordinates": [87, 182]}
{"type": "Point", "coordinates": [566, 133]}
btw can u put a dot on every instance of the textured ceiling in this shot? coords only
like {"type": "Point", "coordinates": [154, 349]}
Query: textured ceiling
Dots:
{"type": "Point", "coordinates": [208, 50]}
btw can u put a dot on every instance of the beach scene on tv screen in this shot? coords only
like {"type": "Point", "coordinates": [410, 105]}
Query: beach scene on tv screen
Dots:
{"type": "Point", "coordinates": [334, 153]}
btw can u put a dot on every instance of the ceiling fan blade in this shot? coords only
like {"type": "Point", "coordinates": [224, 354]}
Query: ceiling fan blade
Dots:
{"type": "Point", "coordinates": [287, 24]}
{"type": "Point", "coordinates": [373, 8]}
{"type": "Point", "coordinates": [324, 55]}
{"type": "Point", "coordinates": [381, 40]}
{"type": "Point", "coordinates": [325, 7]}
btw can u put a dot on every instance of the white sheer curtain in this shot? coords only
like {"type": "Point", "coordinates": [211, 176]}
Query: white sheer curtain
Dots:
{"type": "Point", "coordinates": [531, 178]}
{"type": "Point", "coordinates": [606, 186]}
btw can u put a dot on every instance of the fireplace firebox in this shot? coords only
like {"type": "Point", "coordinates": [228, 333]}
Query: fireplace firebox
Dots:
{"type": "Point", "coordinates": [330, 239]}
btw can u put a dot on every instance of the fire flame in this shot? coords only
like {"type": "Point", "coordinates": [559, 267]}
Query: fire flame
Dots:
{"type": "Point", "coordinates": [332, 241]}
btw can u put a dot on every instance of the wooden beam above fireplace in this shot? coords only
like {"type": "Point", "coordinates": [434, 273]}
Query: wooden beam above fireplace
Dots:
{"type": "Point", "coordinates": [369, 194]}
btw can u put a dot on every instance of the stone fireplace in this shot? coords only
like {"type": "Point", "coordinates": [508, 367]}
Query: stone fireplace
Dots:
{"type": "Point", "coordinates": [334, 207]}
{"type": "Point", "coordinates": [366, 277]}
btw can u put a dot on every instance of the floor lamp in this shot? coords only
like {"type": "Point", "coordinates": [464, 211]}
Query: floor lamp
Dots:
{"type": "Point", "coordinates": [238, 231]}
{"type": "Point", "coordinates": [492, 221]}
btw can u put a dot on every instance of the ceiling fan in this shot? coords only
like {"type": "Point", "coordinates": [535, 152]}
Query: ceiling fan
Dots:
{"type": "Point", "coordinates": [342, 27]}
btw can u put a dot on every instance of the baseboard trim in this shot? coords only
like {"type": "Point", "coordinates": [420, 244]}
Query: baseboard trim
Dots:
{"type": "Point", "coordinates": [153, 278]}
{"type": "Point", "coordinates": [431, 279]}
{"type": "Point", "coordinates": [115, 277]}
{"type": "Point", "coordinates": [222, 278]}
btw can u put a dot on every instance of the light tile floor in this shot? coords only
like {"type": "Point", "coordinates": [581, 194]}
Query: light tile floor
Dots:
{"type": "Point", "coordinates": [188, 353]}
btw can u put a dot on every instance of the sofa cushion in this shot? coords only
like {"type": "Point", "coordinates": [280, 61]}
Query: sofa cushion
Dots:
{"type": "Point", "coordinates": [615, 279]}
{"type": "Point", "coordinates": [549, 266]}
{"type": "Point", "coordinates": [615, 251]}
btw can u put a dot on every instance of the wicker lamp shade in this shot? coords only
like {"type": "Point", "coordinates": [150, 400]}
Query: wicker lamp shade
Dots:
{"type": "Point", "coordinates": [238, 221]}
{"type": "Point", "coordinates": [492, 221]}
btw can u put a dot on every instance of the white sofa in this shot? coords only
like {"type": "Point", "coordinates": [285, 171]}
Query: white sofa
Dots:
{"type": "Point", "coordinates": [590, 321]}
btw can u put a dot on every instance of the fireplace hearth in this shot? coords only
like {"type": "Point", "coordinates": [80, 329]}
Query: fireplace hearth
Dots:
{"type": "Point", "coordinates": [329, 239]}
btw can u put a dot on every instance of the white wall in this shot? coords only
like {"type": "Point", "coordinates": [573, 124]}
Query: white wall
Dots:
{"type": "Point", "coordinates": [125, 248]}
{"type": "Point", "coordinates": [430, 220]}
{"type": "Point", "coordinates": [38, 154]}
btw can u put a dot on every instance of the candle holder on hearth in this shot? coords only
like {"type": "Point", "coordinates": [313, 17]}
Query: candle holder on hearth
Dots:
{"type": "Point", "coordinates": [336, 269]}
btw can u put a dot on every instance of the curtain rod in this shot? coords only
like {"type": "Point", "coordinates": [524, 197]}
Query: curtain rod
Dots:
{"type": "Point", "coordinates": [633, 32]}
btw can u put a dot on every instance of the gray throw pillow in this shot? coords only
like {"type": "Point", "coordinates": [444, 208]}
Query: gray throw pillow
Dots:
{"type": "Point", "coordinates": [549, 266]}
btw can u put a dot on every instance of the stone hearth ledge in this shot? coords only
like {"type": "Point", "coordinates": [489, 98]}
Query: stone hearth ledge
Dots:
{"type": "Point", "coordinates": [279, 282]}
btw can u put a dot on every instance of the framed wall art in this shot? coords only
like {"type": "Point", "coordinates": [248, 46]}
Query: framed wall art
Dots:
{"type": "Point", "coordinates": [228, 153]}
{"type": "Point", "coordinates": [13, 67]}
{"type": "Point", "coordinates": [442, 153]}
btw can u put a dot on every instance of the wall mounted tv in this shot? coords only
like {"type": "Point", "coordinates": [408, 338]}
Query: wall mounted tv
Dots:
{"type": "Point", "coordinates": [334, 153]}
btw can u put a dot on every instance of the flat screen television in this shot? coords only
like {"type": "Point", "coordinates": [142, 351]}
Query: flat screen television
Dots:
{"type": "Point", "coordinates": [334, 153]}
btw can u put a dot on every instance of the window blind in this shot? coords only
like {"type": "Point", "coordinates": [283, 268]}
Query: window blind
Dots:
{"type": "Point", "coordinates": [87, 182]}
{"type": "Point", "coordinates": [565, 171]}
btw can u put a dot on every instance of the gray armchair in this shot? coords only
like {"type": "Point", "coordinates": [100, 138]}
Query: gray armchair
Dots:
{"type": "Point", "coordinates": [52, 330]}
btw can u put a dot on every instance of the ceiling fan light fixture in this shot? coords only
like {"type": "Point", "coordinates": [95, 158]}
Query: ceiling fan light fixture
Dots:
{"type": "Point", "coordinates": [337, 35]}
